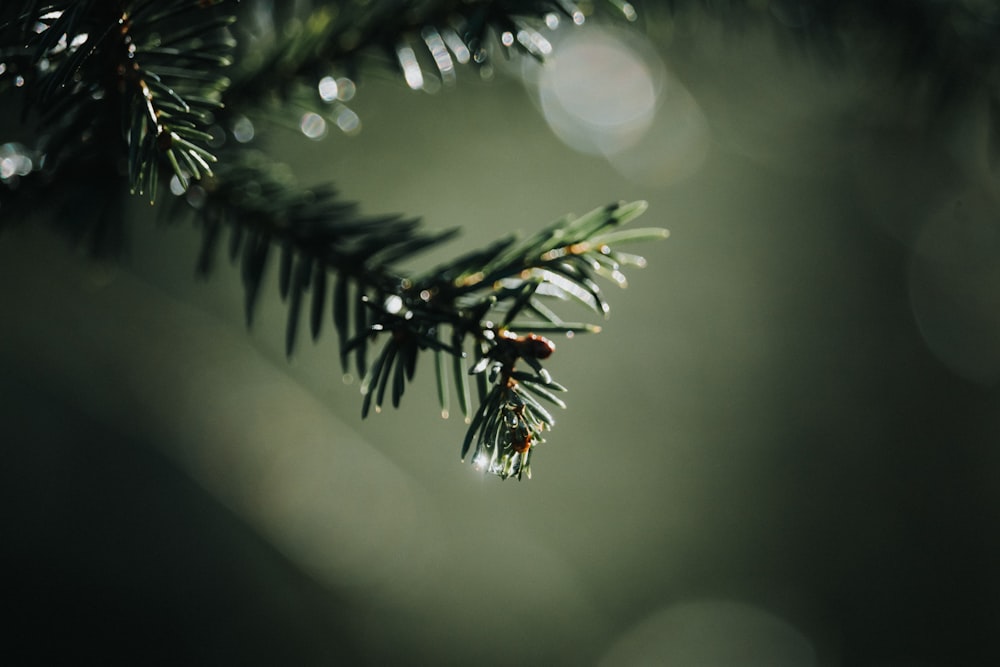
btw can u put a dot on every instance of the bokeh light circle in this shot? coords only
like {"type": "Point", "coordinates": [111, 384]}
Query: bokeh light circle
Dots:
{"type": "Point", "coordinates": [597, 93]}
{"type": "Point", "coordinates": [606, 93]}
{"type": "Point", "coordinates": [720, 633]}
{"type": "Point", "coordinates": [954, 282]}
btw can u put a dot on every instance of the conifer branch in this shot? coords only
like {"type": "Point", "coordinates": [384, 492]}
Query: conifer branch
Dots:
{"type": "Point", "coordinates": [143, 83]}
{"type": "Point", "coordinates": [494, 302]}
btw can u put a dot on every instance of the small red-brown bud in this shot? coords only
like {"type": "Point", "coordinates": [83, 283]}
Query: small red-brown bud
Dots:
{"type": "Point", "coordinates": [535, 346]}
{"type": "Point", "coordinates": [521, 446]}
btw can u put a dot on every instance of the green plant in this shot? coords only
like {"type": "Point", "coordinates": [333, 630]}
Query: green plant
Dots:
{"type": "Point", "coordinates": [124, 96]}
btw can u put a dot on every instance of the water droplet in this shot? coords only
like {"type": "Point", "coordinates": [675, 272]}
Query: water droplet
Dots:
{"type": "Point", "coordinates": [328, 89]}
{"type": "Point", "coordinates": [535, 42]}
{"type": "Point", "coordinates": [14, 161]}
{"type": "Point", "coordinates": [507, 38]}
{"type": "Point", "coordinates": [345, 89]}
{"type": "Point", "coordinates": [393, 304]}
{"type": "Point", "coordinates": [456, 45]}
{"type": "Point", "coordinates": [176, 187]}
{"type": "Point", "coordinates": [313, 125]}
{"type": "Point", "coordinates": [552, 20]}
{"type": "Point", "coordinates": [243, 130]}
{"type": "Point", "coordinates": [7, 170]}
{"type": "Point", "coordinates": [348, 121]}
{"type": "Point", "coordinates": [439, 51]}
{"type": "Point", "coordinates": [19, 81]}
{"type": "Point", "coordinates": [411, 68]}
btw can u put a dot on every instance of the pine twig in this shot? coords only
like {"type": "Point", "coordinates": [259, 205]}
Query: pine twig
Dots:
{"type": "Point", "coordinates": [141, 82]}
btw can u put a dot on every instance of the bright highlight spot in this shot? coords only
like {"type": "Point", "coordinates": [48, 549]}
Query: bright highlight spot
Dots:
{"type": "Point", "coordinates": [597, 93]}
{"type": "Point", "coordinates": [243, 130]}
{"type": "Point", "coordinates": [456, 45]}
{"type": "Point", "coordinates": [608, 93]}
{"type": "Point", "coordinates": [14, 162]}
{"type": "Point", "coordinates": [534, 42]}
{"type": "Point", "coordinates": [442, 59]}
{"type": "Point", "coordinates": [313, 126]}
{"type": "Point", "coordinates": [328, 89]}
{"type": "Point", "coordinates": [177, 188]}
{"type": "Point", "coordinates": [411, 68]}
{"type": "Point", "coordinates": [348, 121]}
{"type": "Point", "coordinates": [345, 89]}
{"type": "Point", "coordinates": [393, 304]}
{"type": "Point", "coordinates": [480, 462]}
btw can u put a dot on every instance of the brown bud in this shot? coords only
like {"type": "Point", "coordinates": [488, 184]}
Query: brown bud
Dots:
{"type": "Point", "coordinates": [522, 445]}
{"type": "Point", "coordinates": [535, 346]}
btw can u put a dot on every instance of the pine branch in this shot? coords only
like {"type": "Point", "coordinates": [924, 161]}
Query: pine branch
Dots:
{"type": "Point", "coordinates": [104, 80]}
{"type": "Point", "coordinates": [102, 83]}
{"type": "Point", "coordinates": [173, 86]}
{"type": "Point", "coordinates": [300, 59]}
{"type": "Point", "coordinates": [143, 80]}
{"type": "Point", "coordinates": [339, 266]}
{"type": "Point", "coordinates": [443, 308]}
{"type": "Point", "coordinates": [446, 31]}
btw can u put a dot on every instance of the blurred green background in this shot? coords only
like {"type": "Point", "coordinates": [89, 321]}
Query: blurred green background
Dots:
{"type": "Point", "coordinates": [781, 450]}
